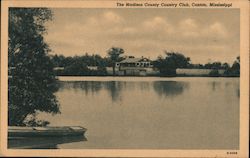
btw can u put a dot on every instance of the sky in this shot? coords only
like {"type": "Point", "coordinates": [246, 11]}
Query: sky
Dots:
{"type": "Point", "coordinates": [204, 35]}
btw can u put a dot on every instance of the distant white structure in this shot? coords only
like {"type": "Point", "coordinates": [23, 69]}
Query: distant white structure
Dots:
{"type": "Point", "coordinates": [58, 68]}
{"type": "Point", "coordinates": [132, 66]}
{"type": "Point", "coordinates": [197, 72]}
{"type": "Point", "coordinates": [92, 67]}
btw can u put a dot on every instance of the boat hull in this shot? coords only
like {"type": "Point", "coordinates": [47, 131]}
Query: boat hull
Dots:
{"type": "Point", "coordinates": [45, 131]}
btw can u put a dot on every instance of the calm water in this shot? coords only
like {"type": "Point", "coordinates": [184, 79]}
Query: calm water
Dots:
{"type": "Point", "coordinates": [150, 113]}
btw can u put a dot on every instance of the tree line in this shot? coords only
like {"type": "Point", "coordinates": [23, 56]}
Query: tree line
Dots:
{"type": "Point", "coordinates": [78, 65]}
{"type": "Point", "coordinates": [173, 60]}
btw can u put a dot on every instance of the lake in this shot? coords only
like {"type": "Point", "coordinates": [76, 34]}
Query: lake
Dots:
{"type": "Point", "coordinates": [150, 112]}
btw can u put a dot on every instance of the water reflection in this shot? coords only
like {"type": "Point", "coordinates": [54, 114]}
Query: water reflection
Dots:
{"type": "Point", "coordinates": [215, 85]}
{"type": "Point", "coordinates": [238, 92]}
{"type": "Point", "coordinates": [114, 88]}
{"type": "Point", "coordinates": [144, 86]}
{"type": "Point", "coordinates": [236, 86]}
{"type": "Point", "coordinates": [169, 88]}
{"type": "Point", "coordinates": [86, 86]}
{"type": "Point", "coordinates": [157, 113]}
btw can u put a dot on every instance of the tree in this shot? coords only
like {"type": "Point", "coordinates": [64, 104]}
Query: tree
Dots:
{"type": "Point", "coordinates": [234, 70]}
{"type": "Point", "coordinates": [114, 55]}
{"type": "Point", "coordinates": [77, 68]}
{"type": "Point", "coordinates": [58, 60]}
{"type": "Point", "coordinates": [171, 62]}
{"type": "Point", "coordinates": [236, 67]}
{"type": "Point", "coordinates": [32, 81]}
{"type": "Point", "coordinates": [214, 73]}
{"type": "Point", "coordinates": [225, 66]}
{"type": "Point", "coordinates": [215, 65]}
{"type": "Point", "coordinates": [177, 60]}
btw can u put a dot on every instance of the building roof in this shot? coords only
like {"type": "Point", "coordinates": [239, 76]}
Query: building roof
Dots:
{"type": "Point", "coordinates": [133, 60]}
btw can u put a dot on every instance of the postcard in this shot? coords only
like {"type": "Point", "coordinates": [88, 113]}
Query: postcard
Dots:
{"type": "Point", "coordinates": [125, 78]}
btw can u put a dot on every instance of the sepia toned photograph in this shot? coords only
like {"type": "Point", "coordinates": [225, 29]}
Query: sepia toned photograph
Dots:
{"type": "Point", "coordinates": [129, 78]}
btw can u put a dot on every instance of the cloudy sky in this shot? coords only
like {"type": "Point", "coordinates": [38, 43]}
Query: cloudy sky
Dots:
{"type": "Point", "coordinates": [202, 34]}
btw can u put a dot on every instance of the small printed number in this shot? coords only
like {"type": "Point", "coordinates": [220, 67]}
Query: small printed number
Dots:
{"type": "Point", "coordinates": [232, 152]}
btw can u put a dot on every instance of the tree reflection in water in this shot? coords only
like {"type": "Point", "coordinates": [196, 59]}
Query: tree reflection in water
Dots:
{"type": "Point", "coordinates": [114, 88]}
{"type": "Point", "coordinates": [169, 88]}
{"type": "Point", "coordinates": [145, 86]}
{"type": "Point", "coordinates": [86, 86]}
{"type": "Point", "coordinates": [236, 87]}
{"type": "Point", "coordinates": [215, 85]}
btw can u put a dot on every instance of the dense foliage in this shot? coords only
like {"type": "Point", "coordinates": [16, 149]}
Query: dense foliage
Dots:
{"type": "Point", "coordinates": [31, 77]}
{"type": "Point", "coordinates": [114, 54]}
{"type": "Point", "coordinates": [174, 60]}
{"type": "Point", "coordinates": [171, 62]}
{"type": "Point", "coordinates": [79, 65]}
{"type": "Point", "coordinates": [235, 69]}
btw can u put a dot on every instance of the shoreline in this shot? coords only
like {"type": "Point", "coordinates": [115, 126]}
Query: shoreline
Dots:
{"type": "Point", "coordinates": [149, 76]}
